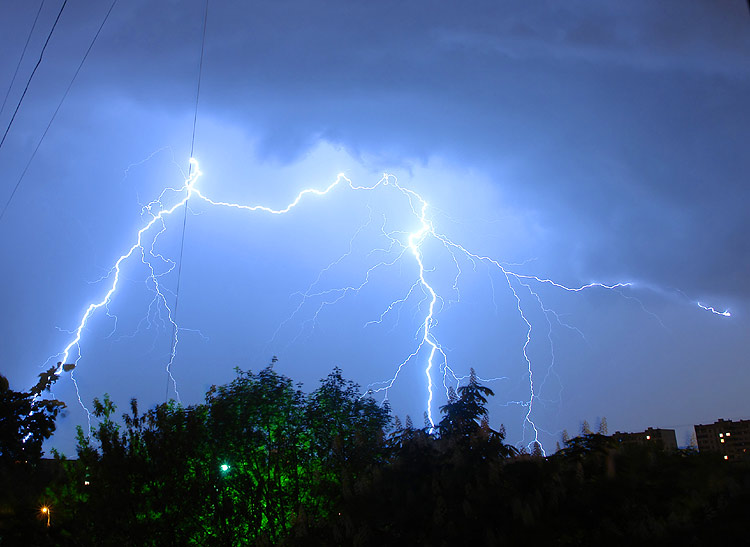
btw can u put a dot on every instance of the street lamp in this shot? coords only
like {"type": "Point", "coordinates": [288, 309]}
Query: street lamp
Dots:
{"type": "Point", "coordinates": [224, 467]}
{"type": "Point", "coordinates": [45, 511]}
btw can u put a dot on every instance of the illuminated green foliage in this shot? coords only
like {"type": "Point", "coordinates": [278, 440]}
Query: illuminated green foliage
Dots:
{"type": "Point", "coordinates": [256, 459]}
{"type": "Point", "coordinates": [261, 463]}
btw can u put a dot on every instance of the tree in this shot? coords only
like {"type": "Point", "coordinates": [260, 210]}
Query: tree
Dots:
{"type": "Point", "coordinates": [26, 419]}
{"type": "Point", "coordinates": [258, 458]}
{"type": "Point", "coordinates": [466, 422]}
{"type": "Point", "coordinates": [565, 437]}
{"type": "Point", "coordinates": [257, 424]}
{"type": "Point", "coordinates": [536, 450]}
{"type": "Point", "coordinates": [348, 436]}
{"type": "Point", "coordinates": [464, 410]}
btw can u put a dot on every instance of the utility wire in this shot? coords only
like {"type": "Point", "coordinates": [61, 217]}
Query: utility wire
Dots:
{"type": "Point", "coordinates": [39, 62]}
{"type": "Point", "coordinates": [184, 218]}
{"type": "Point", "coordinates": [23, 54]}
{"type": "Point", "coordinates": [59, 105]}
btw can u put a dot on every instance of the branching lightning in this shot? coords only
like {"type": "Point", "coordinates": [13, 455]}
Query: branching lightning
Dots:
{"type": "Point", "coordinates": [406, 245]}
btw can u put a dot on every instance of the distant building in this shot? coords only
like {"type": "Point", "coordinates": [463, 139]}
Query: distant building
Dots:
{"type": "Point", "coordinates": [731, 439]}
{"type": "Point", "coordinates": [666, 439]}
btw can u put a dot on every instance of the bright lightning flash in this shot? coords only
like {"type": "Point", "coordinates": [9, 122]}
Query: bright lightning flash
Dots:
{"type": "Point", "coordinates": [725, 313]}
{"type": "Point", "coordinates": [409, 243]}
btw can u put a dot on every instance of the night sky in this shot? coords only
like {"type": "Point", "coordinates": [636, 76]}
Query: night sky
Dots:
{"type": "Point", "coordinates": [579, 142]}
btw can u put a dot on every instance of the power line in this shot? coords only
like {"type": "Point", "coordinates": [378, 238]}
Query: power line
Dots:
{"type": "Point", "coordinates": [28, 83]}
{"type": "Point", "coordinates": [59, 105]}
{"type": "Point", "coordinates": [184, 218]}
{"type": "Point", "coordinates": [20, 60]}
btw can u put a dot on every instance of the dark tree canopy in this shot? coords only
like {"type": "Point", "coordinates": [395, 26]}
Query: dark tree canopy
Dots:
{"type": "Point", "coordinates": [261, 462]}
{"type": "Point", "coordinates": [26, 419]}
{"type": "Point", "coordinates": [464, 412]}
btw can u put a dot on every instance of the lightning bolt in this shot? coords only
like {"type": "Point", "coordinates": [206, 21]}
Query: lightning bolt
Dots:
{"type": "Point", "coordinates": [724, 313]}
{"type": "Point", "coordinates": [401, 243]}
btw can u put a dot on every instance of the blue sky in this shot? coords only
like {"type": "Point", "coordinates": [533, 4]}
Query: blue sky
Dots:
{"type": "Point", "coordinates": [579, 142]}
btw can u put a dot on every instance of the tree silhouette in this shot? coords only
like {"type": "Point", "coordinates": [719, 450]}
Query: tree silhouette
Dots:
{"type": "Point", "coordinates": [465, 410]}
{"type": "Point", "coordinates": [262, 463]}
{"type": "Point", "coordinates": [26, 419]}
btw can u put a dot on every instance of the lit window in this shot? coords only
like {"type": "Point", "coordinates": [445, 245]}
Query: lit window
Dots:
{"type": "Point", "coordinates": [722, 440]}
{"type": "Point", "coordinates": [721, 434]}
{"type": "Point", "coordinates": [648, 437]}
{"type": "Point", "coordinates": [726, 457]}
{"type": "Point", "coordinates": [728, 434]}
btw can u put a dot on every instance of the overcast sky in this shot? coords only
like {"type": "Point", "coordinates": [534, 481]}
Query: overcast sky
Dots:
{"type": "Point", "coordinates": [576, 141]}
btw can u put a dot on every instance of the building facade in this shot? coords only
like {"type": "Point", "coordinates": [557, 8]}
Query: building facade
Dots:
{"type": "Point", "coordinates": [666, 439]}
{"type": "Point", "coordinates": [731, 439]}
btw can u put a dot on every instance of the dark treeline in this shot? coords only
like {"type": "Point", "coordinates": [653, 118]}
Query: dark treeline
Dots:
{"type": "Point", "coordinates": [261, 463]}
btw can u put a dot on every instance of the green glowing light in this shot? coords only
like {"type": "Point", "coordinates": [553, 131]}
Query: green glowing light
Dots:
{"type": "Point", "coordinates": [224, 468]}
